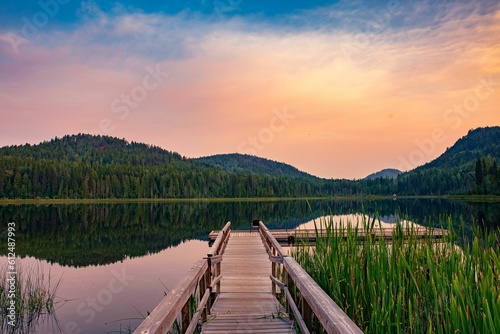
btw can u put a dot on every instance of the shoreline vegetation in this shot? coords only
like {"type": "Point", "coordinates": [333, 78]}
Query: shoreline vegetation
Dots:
{"type": "Point", "coordinates": [43, 201]}
{"type": "Point", "coordinates": [409, 284]}
{"type": "Point", "coordinates": [26, 299]}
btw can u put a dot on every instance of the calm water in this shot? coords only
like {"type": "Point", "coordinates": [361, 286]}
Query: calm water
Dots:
{"type": "Point", "coordinates": [116, 261]}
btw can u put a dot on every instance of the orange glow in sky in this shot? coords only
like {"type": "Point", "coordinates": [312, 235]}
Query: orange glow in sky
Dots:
{"type": "Point", "coordinates": [334, 102]}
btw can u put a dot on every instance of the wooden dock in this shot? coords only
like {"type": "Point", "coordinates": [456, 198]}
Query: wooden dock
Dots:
{"type": "Point", "coordinates": [235, 289]}
{"type": "Point", "coordinates": [310, 235]}
{"type": "Point", "coordinates": [246, 303]}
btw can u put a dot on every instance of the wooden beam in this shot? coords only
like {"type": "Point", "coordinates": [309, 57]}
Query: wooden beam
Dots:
{"type": "Point", "coordinates": [196, 316]}
{"type": "Point", "coordinates": [296, 312]}
{"type": "Point", "coordinates": [221, 239]}
{"type": "Point", "coordinates": [331, 316]}
{"type": "Point", "coordinates": [165, 313]}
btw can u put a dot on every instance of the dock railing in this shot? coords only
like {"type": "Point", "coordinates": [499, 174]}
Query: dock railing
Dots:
{"type": "Point", "coordinates": [199, 287]}
{"type": "Point", "coordinates": [302, 291]}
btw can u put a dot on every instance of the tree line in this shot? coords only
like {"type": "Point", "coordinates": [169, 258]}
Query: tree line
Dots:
{"type": "Point", "coordinates": [41, 178]}
{"type": "Point", "coordinates": [98, 167]}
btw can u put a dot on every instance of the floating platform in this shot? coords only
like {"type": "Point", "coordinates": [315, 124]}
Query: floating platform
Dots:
{"type": "Point", "coordinates": [292, 236]}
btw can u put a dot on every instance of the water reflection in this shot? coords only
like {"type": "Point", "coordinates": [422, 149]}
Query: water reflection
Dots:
{"type": "Point", "coordinates": [357, 220]}
{"type": "Point", "coordinates": [100, 234]}
{"type": "Point", "coordinates": [113, 298]}
{"type": "Point", "coordinates": [150, 246]}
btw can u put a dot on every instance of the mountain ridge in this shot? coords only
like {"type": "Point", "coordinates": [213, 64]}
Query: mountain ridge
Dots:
{"type": "Point", "coordinates": [477, 143]}
{"type": "Point", "coordinates": [87, 166]}
{"type": "Point", "coordinates": [244, 163]}
{"type": "Point", "coordinates": [387, 173]}
{"type": "Point", "coordinates": [94, 149]}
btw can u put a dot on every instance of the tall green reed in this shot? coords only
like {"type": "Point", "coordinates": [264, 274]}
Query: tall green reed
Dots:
{"type": "Point", "coordinates": [411, 283]}
{"type": "Point", "coordinates": [35, 298]}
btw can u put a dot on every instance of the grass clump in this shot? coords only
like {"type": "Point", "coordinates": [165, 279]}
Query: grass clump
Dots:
{"type": "Point", "coordinates": [26, 298]}
{"type": "Point", "coordinates": [409, 283]}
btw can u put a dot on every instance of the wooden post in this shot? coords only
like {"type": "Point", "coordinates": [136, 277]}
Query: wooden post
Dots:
{"type": "Point", "coordinates": [206, 278]}
{"type": "Point", "coordinates": [273, 272]}
{"type": "Point", "coordinates": [288, 280]}
{"type": "Point", "coordinates": [306, 313]}
{"type": "Point", "coordinates": [202, 289]}
{"type": "Point", "coordinates": [185, 316]}
{"type": "Point", "coordinates": [218, 272]}
{"type": "Point", "coordinates": [210, 271]}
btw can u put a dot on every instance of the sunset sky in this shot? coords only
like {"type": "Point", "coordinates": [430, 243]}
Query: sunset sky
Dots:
{"type": "Point", "coordinates": [339, 89]}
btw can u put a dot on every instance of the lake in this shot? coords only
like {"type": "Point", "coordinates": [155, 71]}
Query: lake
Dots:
{"type": "Point", "coordinates": [117, 261]}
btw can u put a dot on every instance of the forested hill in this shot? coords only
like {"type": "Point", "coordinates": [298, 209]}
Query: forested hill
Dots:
{"type": "Point", "coordinates": [470, 166]}
{"type": "Point", "coordinates": [247, 164]}
{"type": "Point", "coordinates": [389, 173]}
{"type": "Point", "coordinates": [86, 166]}
{"type": "Point", "coordinates": [478, 143]}
{"type": "Point", "coordinates": [94, 149]}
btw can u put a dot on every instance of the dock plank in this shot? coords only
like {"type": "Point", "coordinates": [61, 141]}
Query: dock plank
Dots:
{"type": "Point", "coordinates": [246, 303]}
{"type": "Point", "coordinates": [285, 236]}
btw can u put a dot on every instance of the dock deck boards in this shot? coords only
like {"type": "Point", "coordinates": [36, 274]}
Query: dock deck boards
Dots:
{"type": "Point", "coordinates": [284, 236]}
{"type": "Point", "coordinates": [246, 303]}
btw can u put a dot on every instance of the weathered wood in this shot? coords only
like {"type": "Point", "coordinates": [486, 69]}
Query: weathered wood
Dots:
{"type": "Point", "coordinates": [185, 316]}
{"type": "Point", "coordinates": [273, 243]}
{"type": "Point", "coordinates": [206, 275]}
{"type": "Point", "coordinates": [313, 299]}
{"type": "Point", "coordinates": [216, 280]}
{"type": "Point", "coordinates": [246, 303]}
{"type": "Point", "coordinates": [245, 280]}
{"type": "Point", "coordinates": [215, 259]}
{"type": "Point", "coordinates": [290, 236]}
{"type": "Point", "coordinates": [306, 312]}
{"type": "Point", "coordinates": [277, 282]}
{"type": "Point", "coordinates": [196, 317]}
{"type": "Point", "coordinates": [331, 316]}
{"type": "Point", "coordinates": [298, 317]}
{"type": "Point", "coordinates": [221, 240]}
{"type": "Point", "coordinates": [165, 313]}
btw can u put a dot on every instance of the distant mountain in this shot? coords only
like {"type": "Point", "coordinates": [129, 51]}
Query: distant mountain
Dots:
{"type": "Point", "coordinates": [389, 173]}
{"type": "Point", "coordinates": [87, 166]}
{"type": "Point", "coordinates": [478, 143]}
{"type": "Point", "coordinates": [95, 167]}
{"type": "Point", "coordinates": [94, 149]}
{"type": "Point", "coordinates": [470, 166]}
{"type": "Point", "coordinates": [249, 164]}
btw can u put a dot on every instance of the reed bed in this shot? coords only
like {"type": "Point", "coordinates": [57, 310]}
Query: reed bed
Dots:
{"type": "Point", "coordinates": [410, 284]}
{"type": "Point", "coordinates": [35, 298]}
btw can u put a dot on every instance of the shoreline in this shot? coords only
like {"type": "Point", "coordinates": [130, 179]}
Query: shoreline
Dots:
{"type": "Point", "coordinates": [60, 201]}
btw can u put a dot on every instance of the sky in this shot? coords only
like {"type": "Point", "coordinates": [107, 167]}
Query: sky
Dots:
{"type": "Point", "coordinates": [338, 89]}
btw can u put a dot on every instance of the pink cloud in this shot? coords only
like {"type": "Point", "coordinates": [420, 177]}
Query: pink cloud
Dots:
{"type": "Point", "coordinates": [224, 82]}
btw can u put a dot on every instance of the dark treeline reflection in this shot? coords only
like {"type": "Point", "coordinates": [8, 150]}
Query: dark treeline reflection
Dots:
{"type": "Point", "coordinates": [95, 234]}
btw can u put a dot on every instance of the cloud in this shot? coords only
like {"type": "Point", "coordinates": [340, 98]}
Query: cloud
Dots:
{"type": "Point", "coordinates": [352, 98]}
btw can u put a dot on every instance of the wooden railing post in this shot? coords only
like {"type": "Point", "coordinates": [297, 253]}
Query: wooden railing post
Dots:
{"type": "Point", "coordinates": [296, 282]}
{"type": "Point", "coordinates": [273, 272]}
{"type": "Point", "coordinates": [202, 287]}
{"type": "Point", "coordinates": [306, 313]}
{"type": "Point", "coordinates": [218, 272]}
{"type": "Point", "coordinates": [185, 316]}
{"type": "Point", "coordinates": [289, 284]}
{"type": "Point", "coordinates": [206, 279]}
{"type": "Point", "coordinates": [211, 276]}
